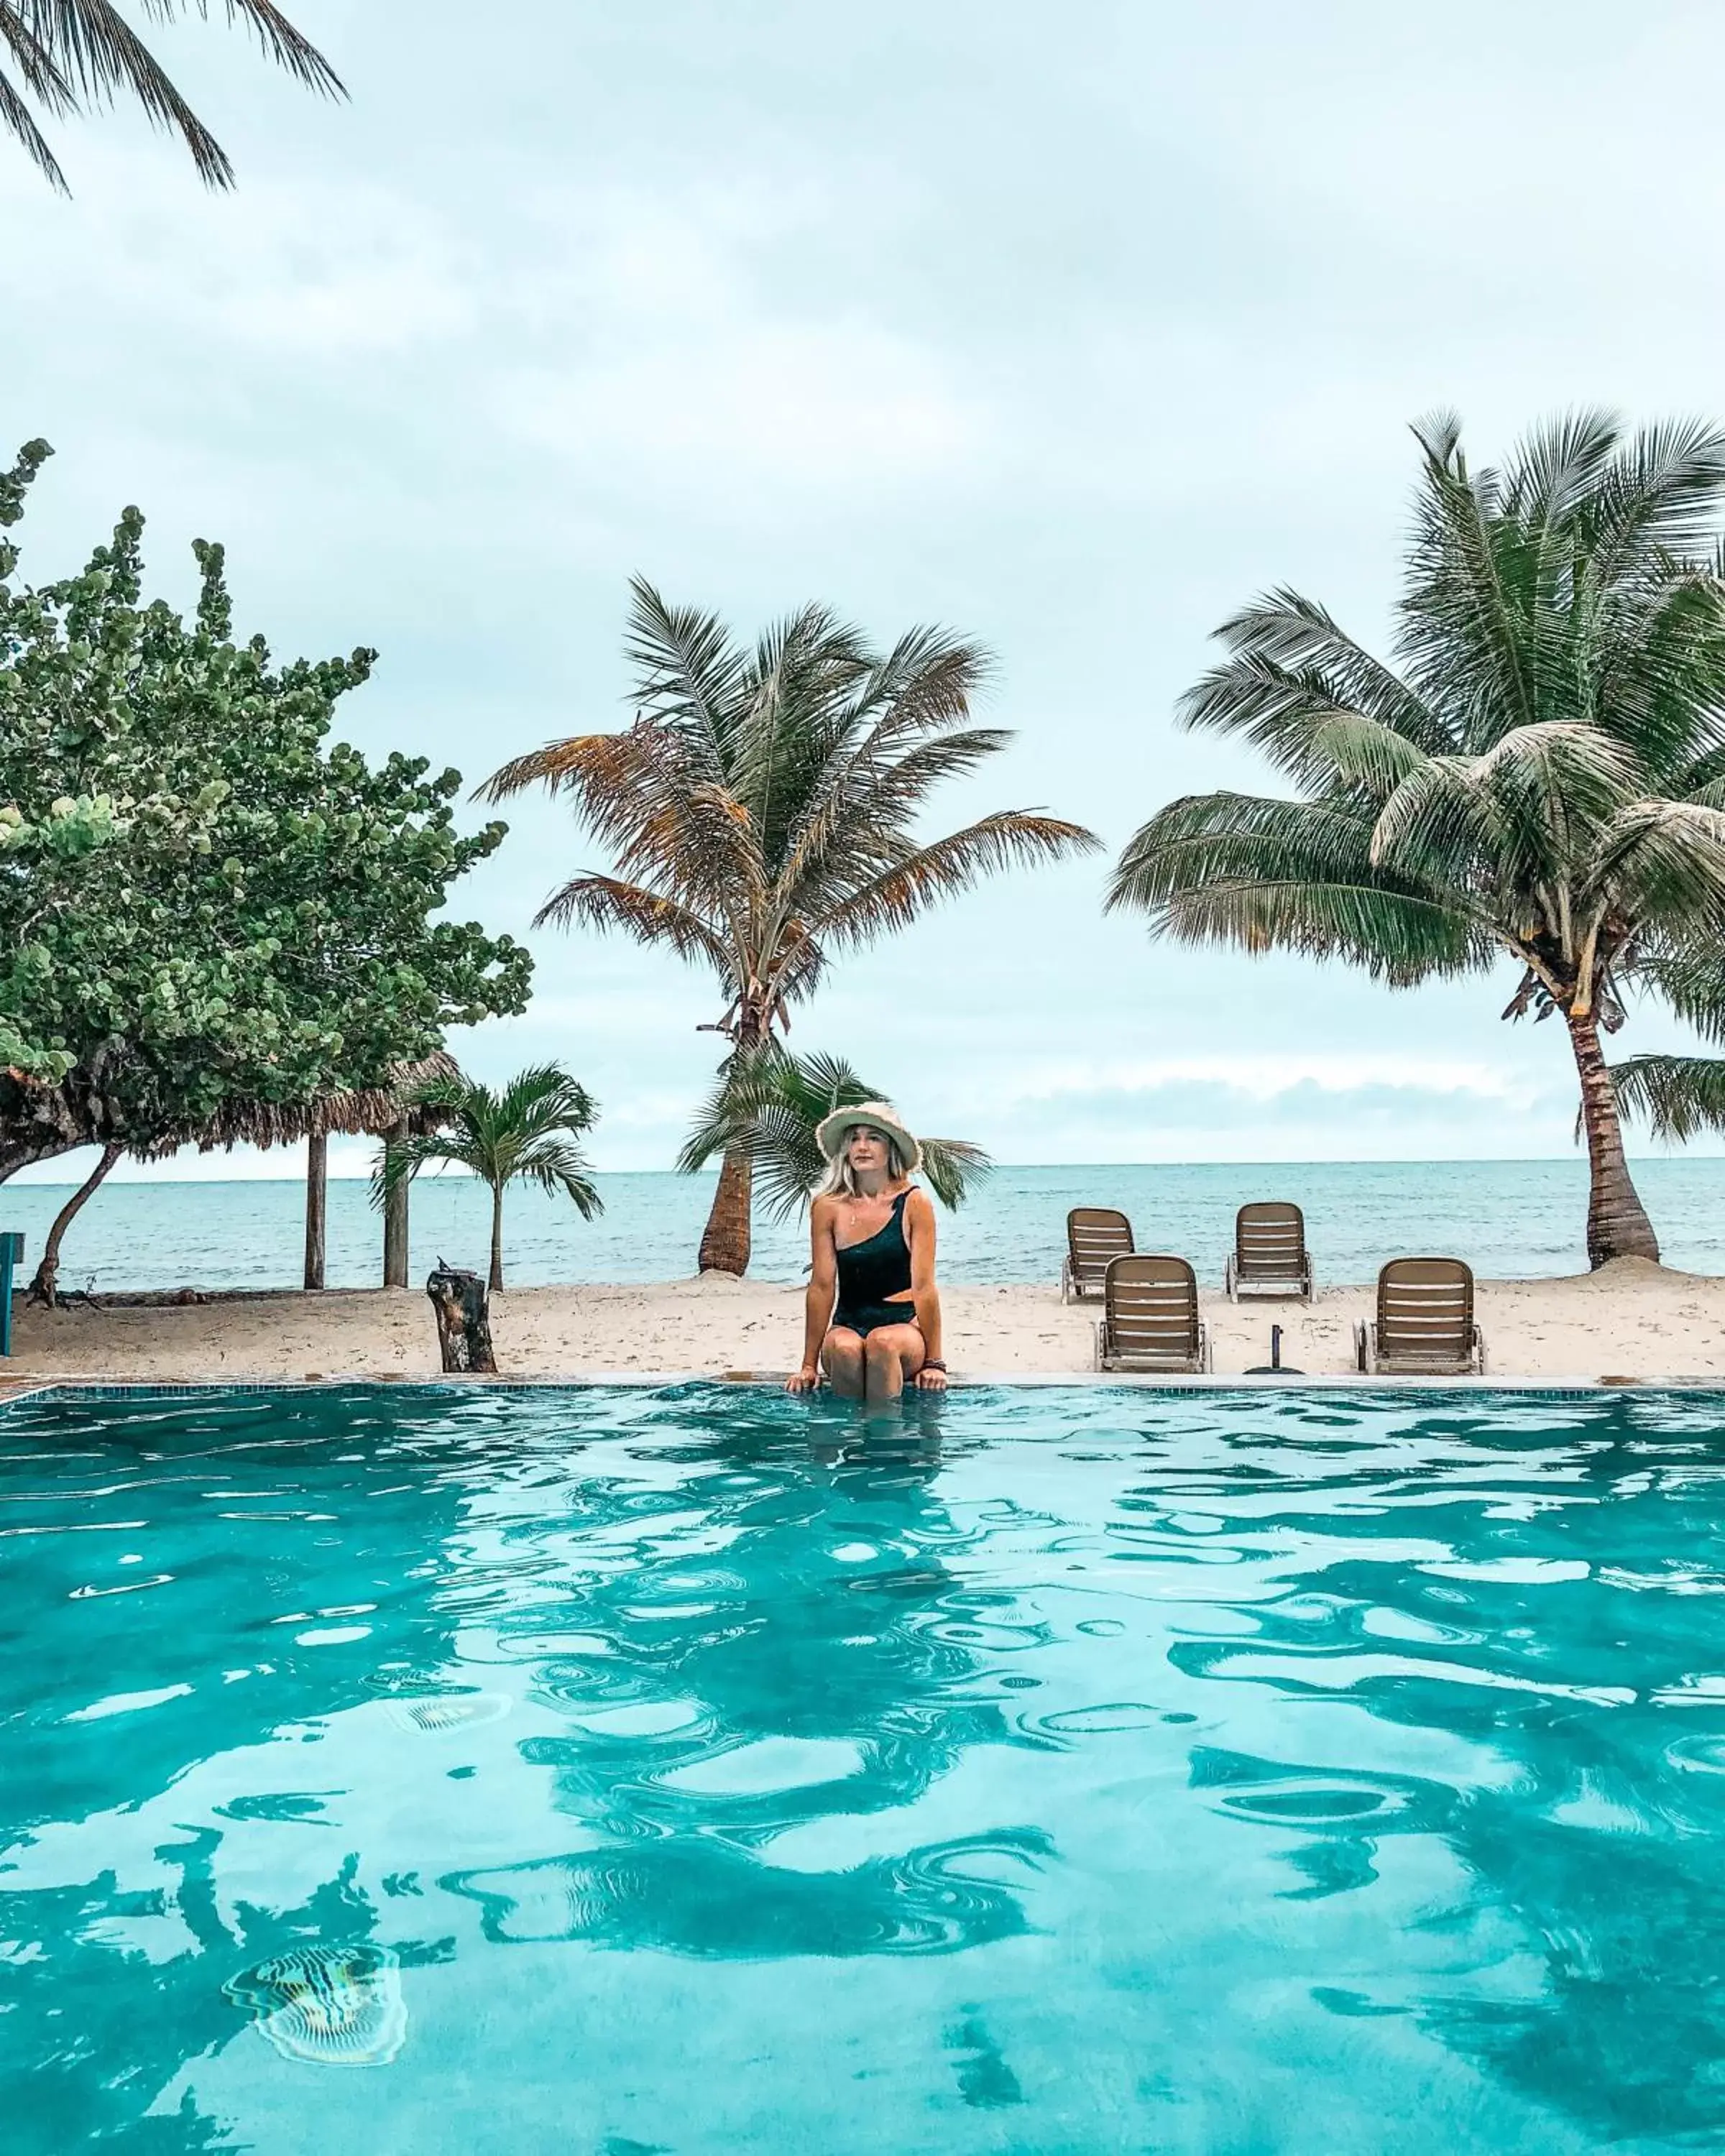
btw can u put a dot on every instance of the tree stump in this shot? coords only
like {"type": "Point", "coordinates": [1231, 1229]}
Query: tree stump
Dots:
{"type": "Point", "coordinates": [464, 1320]}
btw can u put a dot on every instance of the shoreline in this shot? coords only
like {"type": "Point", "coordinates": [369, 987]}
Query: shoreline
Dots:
{"type": "Point", "coordinates": [1631, 1322]}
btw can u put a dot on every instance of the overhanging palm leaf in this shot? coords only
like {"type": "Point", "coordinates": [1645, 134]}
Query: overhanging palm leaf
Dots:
{"type": "Point", "coordinates": [1679, 1096]}
{"type": "Point", "coordinates": [527, 1132]}
{"type": "Point", "coordinates": [1540, 770]}
{"type": "Point", "coordinates": [770, 1108]}
{"type": "Point", "coordinates": [72, 56]}
{"type": "Point", "coordinates": [763, 812]}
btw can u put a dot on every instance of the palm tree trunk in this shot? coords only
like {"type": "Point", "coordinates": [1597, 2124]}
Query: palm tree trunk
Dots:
{"type": "Point", "coordinates": [726, 1245]}
{"type": "Point", "coordinates": [1617, 1223]}
{"type": "Point", "coordinates": [44, 1287]}
{"type": "Point", "coordinates": [496, 1280]}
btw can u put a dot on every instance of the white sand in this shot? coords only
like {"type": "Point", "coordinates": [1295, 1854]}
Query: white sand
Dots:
{"type": "Point", "coordinates": [1631, 1320]}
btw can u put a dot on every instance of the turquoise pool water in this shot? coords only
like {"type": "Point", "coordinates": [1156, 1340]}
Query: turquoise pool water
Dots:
{"type": "Point", "coordinates": [627, 1771]}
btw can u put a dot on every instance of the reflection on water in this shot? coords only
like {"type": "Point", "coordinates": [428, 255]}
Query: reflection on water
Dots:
{"type": "Point", "coordinates": [1055, 1770]}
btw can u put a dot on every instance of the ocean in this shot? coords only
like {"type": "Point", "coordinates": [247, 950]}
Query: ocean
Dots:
{"type": "Point", "coordinates": [1508, 1218]}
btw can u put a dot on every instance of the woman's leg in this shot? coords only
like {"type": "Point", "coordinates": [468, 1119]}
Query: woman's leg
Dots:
{"type": "Point", "coordinates": [841, 1357]}
{"type": "Point", "coordinates": [891, 1354]}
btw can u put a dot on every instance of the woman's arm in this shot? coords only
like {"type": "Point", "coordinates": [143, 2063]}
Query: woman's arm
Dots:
{"type": "Point", "coordinates": [919, 1218]}
{"type": "Point", "coordinates": [818, 1303]}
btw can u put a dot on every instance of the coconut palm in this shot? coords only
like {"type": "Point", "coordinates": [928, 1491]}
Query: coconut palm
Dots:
{"type": "Point", "coordinates": [761, 808]}
{"type": "Point", "coordinates": [1539, 772]}
{"type": "Point", "coordinates": [526, 1132]}
{"type": "Point", "coordinates": [772, 1106]}
{"type": "Point", "coordinates": [70, 56]}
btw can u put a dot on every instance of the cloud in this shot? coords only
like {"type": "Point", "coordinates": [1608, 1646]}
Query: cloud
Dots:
{"type": "Point", "coordinates": [685, 357]}
{"type": "Point", "coordinates": [306, 270]}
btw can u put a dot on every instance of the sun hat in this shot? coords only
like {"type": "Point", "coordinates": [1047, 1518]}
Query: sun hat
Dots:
{"type": "Point", "coordinates": [874, 1116]}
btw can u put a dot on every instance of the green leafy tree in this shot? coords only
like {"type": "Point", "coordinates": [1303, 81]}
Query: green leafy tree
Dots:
{"type": "Point", "coordinates": [528, 1131]}
{"type": "Point", "coordinates": [203, 900]}
{"type": "Point", "coordinates": [762, 813]}
{"type": "Point", "coordinates": [770, 1109]}
{"type": "Point", "coordinates": [72, 57]}
{"type": "Point", "coordinates": [1538, 773]}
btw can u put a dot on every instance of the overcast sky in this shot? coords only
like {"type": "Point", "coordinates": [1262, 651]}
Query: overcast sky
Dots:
{"type": "Point", "coordinates": [1071, 328]}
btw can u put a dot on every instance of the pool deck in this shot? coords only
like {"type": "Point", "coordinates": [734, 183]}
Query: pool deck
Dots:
{"type": "Point", "coordinates": [81, 1384]}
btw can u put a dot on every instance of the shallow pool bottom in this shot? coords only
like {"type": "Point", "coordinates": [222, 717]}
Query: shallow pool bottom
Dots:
{"type": "Point", "coordinates": [622, 1769]}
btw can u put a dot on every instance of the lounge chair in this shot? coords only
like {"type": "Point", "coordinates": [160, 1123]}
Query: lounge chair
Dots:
{"type": "Point", "coordinates": [1425, 1323]}
{"type": "Point", "coordinates": [1094, 1234]}
{"type": "Point", "coordinates": [1270, 1252]}
{"type": "Point", "coordinates": [1150, 1319]}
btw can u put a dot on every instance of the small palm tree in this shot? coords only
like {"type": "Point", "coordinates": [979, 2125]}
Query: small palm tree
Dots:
{"type": "Point", "coordinates": [770, 1108]}
{"type": "Point", "coordinates": [763, 811]}
{"type": "Point", "coordinates": [526, 1132]}
{"type": "Point", "coordinates": [1541, 774]}
{"type": "Point", "coordinates": [72, 55]}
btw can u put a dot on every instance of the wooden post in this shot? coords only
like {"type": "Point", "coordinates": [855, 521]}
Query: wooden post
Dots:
{"type": "Point", "coordinates": [395, 1220]}
{"type": "Point", "coordinates": [317, 1196]}
{"type": "Point", "coordinates": [464, 1321]}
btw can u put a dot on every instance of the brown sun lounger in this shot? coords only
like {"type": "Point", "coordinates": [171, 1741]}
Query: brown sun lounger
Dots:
{"type": "Point", "coordinates": [1424, 1325]}
{"type": "Point", "coordinates": [1150, 1319]}
{"type": "Point", "coordinates": [1094, 1234]}
{"type": "Point", "coordinates": [1269, 1253]}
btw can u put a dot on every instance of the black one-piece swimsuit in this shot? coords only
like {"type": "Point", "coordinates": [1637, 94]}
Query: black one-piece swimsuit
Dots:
{"type": "Point", "coordinates": [872, 1270]}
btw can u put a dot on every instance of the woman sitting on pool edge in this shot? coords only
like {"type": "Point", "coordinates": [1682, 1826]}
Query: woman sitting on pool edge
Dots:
{"type": "Point", "coordinates": [873, 1313]}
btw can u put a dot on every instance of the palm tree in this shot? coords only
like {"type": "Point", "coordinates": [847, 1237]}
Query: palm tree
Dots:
{"type": "Point", "coordinates": [761, 813]}
{"type": "Point", "coordinates": [1540, 773]}
{"type": "Point", "coordinates": [72, 55]}
{"type": "Point", "coordinates": [771, 1108]}
{"type": "Point", "coordinates": [527, 1132]}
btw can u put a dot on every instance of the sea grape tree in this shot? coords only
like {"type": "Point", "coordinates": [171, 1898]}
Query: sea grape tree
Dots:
{"type": "Point", "coordinates": [203, 898]}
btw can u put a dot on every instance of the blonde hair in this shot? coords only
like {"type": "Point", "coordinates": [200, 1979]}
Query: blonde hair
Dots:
{"type": "Point", "coordinates": [841, 1178]}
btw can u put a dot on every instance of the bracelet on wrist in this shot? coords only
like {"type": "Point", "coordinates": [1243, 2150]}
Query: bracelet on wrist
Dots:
{"type": "Point", "coordinates": [932, 1363]}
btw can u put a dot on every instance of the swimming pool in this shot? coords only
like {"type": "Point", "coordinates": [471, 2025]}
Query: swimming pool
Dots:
{"type": "Point", "coordinates": [627, 1770]}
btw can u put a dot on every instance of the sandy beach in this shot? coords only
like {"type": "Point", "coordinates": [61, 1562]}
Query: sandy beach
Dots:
{"type": "Point", "coordinates": [1632, 1320]}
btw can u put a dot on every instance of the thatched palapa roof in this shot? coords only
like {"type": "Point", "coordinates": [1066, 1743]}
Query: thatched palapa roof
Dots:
{"type": "Point", "coordinates": [368, 1112]}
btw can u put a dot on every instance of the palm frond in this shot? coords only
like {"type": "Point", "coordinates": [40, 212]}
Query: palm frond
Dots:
{"type": "Point", "coordinates": [1689, 973]}
{"type": "Point", "coordinates": [954, 1167]}
{"type": "Point", "coordinates": [1292, 667]}
{"type": "Point", "coordinates": [1678, 1096]}
{"type": "Point", "coordinates": [902, 893]}
{"type": "Point", "coordinates": [18, 122]}
{"type": "Point", "coordinates": [601, 902]}
{"type": "Point", "coordinates": [768, 1106]}
{"type": "Point", "coordinates": [644, 794]}
{"type": "Point", "coordinates": [1661, 497]}
{"type": "Point", "coordinates": [690, 676]}
{"type": "Point", "coordinates": [1661, 861]}
{"type": "Point", "coordinates": [1266, 875]}
{"type": "Point", "coordinates": [73, 55]}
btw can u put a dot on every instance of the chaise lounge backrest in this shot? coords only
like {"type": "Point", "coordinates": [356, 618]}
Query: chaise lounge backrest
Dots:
{"type": "Point", "coordinates": [1150, 1315]}
{"type": "Point", "coordinates": [1270, 1243]}
{"type": "Point", "coordinates": [1094, 1234]}
{"type": "Point", "coordinates": [1425, 1313]}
